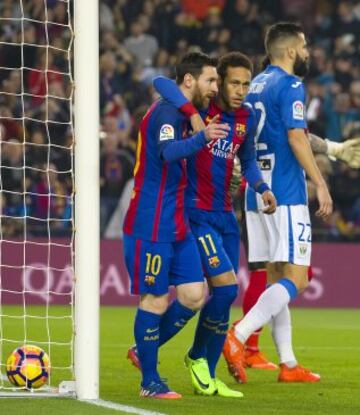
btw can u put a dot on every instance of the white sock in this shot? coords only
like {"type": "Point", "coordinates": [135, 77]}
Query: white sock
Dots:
{"type": "Point", "coordinates": [282, 335]}
{"type": "Point", "coordinates": [269, 304]}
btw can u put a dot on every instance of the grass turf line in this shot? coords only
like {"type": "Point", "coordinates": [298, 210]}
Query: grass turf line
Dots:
{"type": "Point", "coordinates": [327, 341]}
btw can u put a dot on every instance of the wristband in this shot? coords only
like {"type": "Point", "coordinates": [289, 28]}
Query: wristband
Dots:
{"type": "Point", "coordinates": [188, 109]}
{"type": "Point", "coordinates": [262, 188]}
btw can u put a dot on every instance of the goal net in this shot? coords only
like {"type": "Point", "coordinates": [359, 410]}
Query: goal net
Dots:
{"type": "Point", "coordinates": [37, 184]}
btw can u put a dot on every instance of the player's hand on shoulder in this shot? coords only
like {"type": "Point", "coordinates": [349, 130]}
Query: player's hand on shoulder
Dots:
{"type": "Point", "coordinates": [270, 202]}
{"type": "Point", "coordinates": [215, 130]}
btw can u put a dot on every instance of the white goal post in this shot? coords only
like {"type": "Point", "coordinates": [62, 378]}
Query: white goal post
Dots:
{"type": "Point", "coordinates": [19, 324]}
{"type": "Point", "coordinates": [87, 262]}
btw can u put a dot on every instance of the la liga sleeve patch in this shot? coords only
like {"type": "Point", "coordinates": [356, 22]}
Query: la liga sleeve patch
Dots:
{"type": "Point", "coordinates": [298, 110]}
{"type": "Point", "coordinates": [167, 132]}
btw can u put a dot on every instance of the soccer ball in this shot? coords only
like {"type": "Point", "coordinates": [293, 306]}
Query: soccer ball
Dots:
{"type": "Point", "coordinates": [28, 366]}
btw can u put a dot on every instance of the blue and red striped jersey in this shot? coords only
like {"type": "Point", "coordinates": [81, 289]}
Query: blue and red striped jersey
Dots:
{"type": "Point", "coordinates": [210, 170]}
{"type": "Point", "coordinates": [157, 207]}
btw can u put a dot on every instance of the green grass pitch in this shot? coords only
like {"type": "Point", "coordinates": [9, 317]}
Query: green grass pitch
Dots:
{"type": "Point", "coordinates": [328, 341]}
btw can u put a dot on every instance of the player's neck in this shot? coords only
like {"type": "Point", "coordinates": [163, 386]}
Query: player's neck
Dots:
{"type": "Point", "coordinates": [222, 104]}
{"type": "Point", "coordinates": [188, 94]}
{"type": "Point", "coordinates": [286, 66]}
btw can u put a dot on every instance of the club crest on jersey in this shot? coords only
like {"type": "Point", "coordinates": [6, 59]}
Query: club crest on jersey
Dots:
{"type": "Point", "coordinates": [298, 110]}
{"type": "Point", "coordinates": [214, 261]}
{"type": "Point", "coordinates": [240, 129]}
{"type": "Point", "coordinates": [303, 249]}
{"type": "Point", "coordinates": [208, 120]}
{"type": "Point", "coordinates": [167, 132]}
{"type": "Point", "coordinates": [149, 280]}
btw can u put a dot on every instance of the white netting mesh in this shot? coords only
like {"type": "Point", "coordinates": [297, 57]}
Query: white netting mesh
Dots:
{"type": "Point", "coordinates": [36, 182]}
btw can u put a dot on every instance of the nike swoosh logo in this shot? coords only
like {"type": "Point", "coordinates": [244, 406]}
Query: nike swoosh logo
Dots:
{"type": "Point", "coordinates": [296, 84]}
{"type": "Point", "coordinates": [202, 385]}
{"type": "Point", "coordinates": [152, 330]}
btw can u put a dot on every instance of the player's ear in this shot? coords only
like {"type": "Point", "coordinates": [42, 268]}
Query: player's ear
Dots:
{"type": "Point", "coordinates": [188, 80]}
{"type": "Point", "coordinates": [291, 51]}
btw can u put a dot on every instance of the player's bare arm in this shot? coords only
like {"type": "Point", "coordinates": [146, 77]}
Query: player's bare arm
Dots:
{"type": "Point", "coordinates": [347, 151]}
{"type": "Point", "coordinates": [301, 147]}
{"type": "Point", "coordinates": [197, 123]}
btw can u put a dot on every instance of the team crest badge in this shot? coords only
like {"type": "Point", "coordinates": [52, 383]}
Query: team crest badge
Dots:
{"type": "Point", "coordinates": [303, 249]}
{"type": "Point", "coordinates": [214, 261]}
{"type": "Point", "coordinates": [149, 280]}
{"type": "Point", "coordinates": [240, 129]}
{"type": "Point", "coordinates": [208, 120]}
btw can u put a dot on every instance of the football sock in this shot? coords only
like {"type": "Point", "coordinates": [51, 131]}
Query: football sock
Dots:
{"type": "Point", "coordinates": [211, 316]}
{"type": "Point", "coordinates": [257, 285]}
{"type": "Point", "coordinates": [174, 319]}
{"type": "Point", "coordinates": [146, 332]}
{"type": "Point", "coordinates": [269, 304]}
{"type": "Point", "coordinates": [252, 343]}
{"type": "Point", "coordinates": [281, 332]}
{"type": "Point", "coordinates": [216, 344]}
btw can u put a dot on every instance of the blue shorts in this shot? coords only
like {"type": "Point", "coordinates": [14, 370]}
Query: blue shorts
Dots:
{"type": "Point", "coordinates": [218, 240]}
{"type": "Point", "coordinates": [154, 266]}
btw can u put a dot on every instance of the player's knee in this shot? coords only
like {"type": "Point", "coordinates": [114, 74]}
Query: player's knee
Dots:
{"type": "Point", "coordinates": [154, 304]}
{"type": "Point", "coordinates": [193, 298]}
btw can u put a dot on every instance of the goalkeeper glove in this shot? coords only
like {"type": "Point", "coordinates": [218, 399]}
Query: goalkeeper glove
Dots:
{"type": "Point", "coordinates": [348, 151]}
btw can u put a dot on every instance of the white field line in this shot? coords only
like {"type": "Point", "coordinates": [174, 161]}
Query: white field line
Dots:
{"type": "Point", "coordinates": [121, 408]}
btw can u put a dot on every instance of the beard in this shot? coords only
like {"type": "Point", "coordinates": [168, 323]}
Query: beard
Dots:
{"type": "Point", "coordinates": [200, 100]}
{"type": "Point", "coordinates": [265, 62]}
{"type": "Point", "coordinates": [301, 67]}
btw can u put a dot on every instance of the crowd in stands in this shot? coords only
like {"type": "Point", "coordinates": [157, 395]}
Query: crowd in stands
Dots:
{"type": "Point", "coordinates": [140, 39]}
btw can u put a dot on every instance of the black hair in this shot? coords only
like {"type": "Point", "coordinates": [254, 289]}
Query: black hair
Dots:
{"type": "Point", "coordinates": [193, 63]}
{"type": "Point", "coordinates": [279, 31]}
{"type": "Point", "coordinates": [233, 60]}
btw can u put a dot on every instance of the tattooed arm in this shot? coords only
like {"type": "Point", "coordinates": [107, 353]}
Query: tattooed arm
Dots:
{"type": "Point", "coordinates": [347, 151]}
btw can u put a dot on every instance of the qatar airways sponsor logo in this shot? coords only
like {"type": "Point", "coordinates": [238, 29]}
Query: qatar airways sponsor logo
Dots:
{"type": "Point", "coordinates": [223, 148]}
{"type": "Point", "coordinates": [50, 285]}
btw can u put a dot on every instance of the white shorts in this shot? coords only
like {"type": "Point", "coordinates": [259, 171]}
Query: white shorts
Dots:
{"type": "Point", "coordinates": [284, 236]}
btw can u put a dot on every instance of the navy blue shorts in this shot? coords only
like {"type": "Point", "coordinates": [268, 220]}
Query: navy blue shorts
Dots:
{"type": "Point", "coordinates": [218, 240]}
{"type": "Point", "coordinates": [154, 266]}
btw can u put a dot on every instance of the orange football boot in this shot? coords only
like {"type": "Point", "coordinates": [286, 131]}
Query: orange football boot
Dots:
{"type": "Point", "coordinates": [297, 374]}
{"type": "Point", "coordinates": [257, 360]}
{"type": "Point", "coordinates": [233, 352]}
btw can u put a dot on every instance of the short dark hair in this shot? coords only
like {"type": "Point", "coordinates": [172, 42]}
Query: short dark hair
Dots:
{"type": "Point", "coordinates": [233, 60]}
{"type": "Point", "coordinates": [279, 31]}
{"type": "Point", "coordinates": [193, 63]}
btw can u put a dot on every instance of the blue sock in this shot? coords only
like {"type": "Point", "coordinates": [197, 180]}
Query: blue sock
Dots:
{"type": "Point", "coordinates": [175, 318]}
{"type": "Point", "coordinates": [215, 346]}
{"type": "Point", "coordinates": [210, 317]}
{"type": "Point", "coordinates": [146, 331]}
